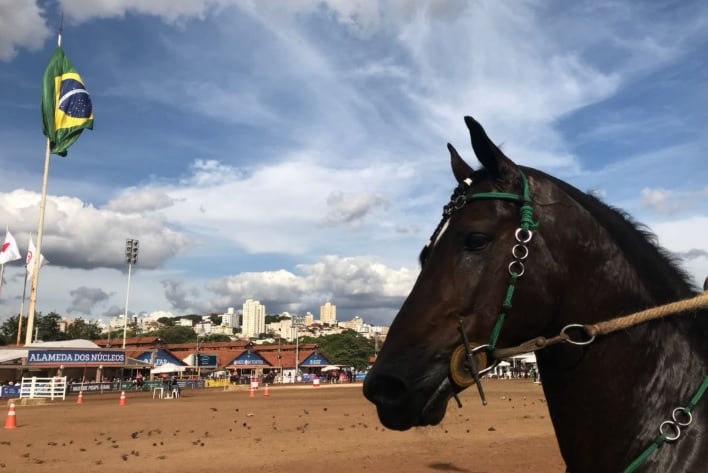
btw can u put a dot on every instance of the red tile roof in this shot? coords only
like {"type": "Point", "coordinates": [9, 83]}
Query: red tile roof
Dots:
{"type": "Point", "coordinates": [275, 355]}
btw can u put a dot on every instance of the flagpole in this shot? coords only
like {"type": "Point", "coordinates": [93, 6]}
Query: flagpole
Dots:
{"type": "Point", "coordinates": [40, 233]}
{"type": "Point", "coordinates": [22, 308]}
{"type": "Point", "coordinates": [40, 226]}
{"type": "Point", "coordinates": [2, 266]}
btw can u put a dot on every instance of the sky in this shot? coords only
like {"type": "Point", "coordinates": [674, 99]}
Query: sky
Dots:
{"type": "Point", "coordinates": [295, 152]}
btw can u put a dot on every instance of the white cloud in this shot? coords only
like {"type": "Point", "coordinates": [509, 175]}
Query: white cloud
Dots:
{"type": "Point", "coordinates": [169, 10]}
{"type": "Point", "coordinates": [139, 200]}
{"type": "Point", "coordinates": [349, 209]}
{"type": "Point", "coordinates": [682, 234]}
{"type": "Point", "coordinates": [78, 235]}
{"type": "Point", "coordinates": [657, 200]}
{"type": "Point", "coordinates": [668, 202]}
{"type": "Point", "coordinates": [84, 299]}
{"type": "Point", "coordinates": [21, 26]}
{"type": "Point", "coordinates": [360, 283]}
{"type": "Point", "coordinates": [180, 297]}
{"type": "Point", "coordinates": [683, 237]}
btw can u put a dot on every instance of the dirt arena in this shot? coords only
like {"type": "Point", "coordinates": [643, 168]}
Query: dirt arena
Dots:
{"type": "Point", "coordinates": [298, 429]}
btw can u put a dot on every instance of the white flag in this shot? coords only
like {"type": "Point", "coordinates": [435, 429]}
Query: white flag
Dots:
{"type": "Point", "coordinates": [31, 251]}
{"type": "Point", "coordinates": [9, 251]}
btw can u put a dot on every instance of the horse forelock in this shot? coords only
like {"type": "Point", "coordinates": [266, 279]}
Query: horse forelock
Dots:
{"type": "Point", "coordinates": [464, 187]}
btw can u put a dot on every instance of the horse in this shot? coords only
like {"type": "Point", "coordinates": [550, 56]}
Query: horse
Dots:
{"type": "Point", "coordinates": [523, 259]}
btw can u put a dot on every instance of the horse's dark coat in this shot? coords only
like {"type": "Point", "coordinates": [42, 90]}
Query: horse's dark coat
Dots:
{"type": "Point", "coordinates": [588, 262]}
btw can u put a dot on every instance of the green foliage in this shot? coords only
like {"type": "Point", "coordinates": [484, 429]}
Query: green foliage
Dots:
{"type": "Point", "coordinates": [347, 348]}
{"type": "Point", "coordinates": [269, 319]}
{"type": "Point", "coordinates": [175, 334]}
{"type": "Point", "coordinates": [167, 321]}
{"type": "Point", "coordinates": [216, 337]}
{"type": "Point", "coordinates": [195, 318]}
{"type": "Point", "coordinates": [47, 327]}
{"type": "Point", "coordinates": [8, 330]}
{"type": "Point", "coordinates": [84, 330]}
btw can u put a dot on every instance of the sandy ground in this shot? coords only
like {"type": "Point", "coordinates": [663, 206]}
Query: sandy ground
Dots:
{"type": "Point", "coordinates": [304, 429]}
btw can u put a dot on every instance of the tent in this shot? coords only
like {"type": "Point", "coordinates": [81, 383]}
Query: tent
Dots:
{"type": "Point", "coordinates": [526, 357]}
{"type": "Point", "coordinates": [167, 368]}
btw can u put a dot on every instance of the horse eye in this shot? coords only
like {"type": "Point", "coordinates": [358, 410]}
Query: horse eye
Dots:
{"type": "Point", "coordinates": [477, 241]}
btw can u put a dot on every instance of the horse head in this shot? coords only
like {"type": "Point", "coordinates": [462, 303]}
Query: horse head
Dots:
{"type": "Point", "coordinates": [470, 269]}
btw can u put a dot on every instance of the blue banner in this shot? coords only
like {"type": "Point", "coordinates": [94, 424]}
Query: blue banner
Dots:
{"type": "Point", "coordinates": [249, 358]}
{"type": "Point", "coordinates": [206, 360]}
{"type": "Point", "coordinates": [161, 357]}
{"type": "Point", "coordinates": [315, 360]}
{"type": "Point", "coordinates": [75, 357]}
{"type": "Point", "coordinates": [10, 391]}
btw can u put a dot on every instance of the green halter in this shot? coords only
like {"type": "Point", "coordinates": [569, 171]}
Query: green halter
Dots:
{"type": "Point", "coordinates": [520, 251]}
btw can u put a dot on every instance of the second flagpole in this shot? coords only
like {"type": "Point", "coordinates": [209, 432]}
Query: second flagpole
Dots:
{"type": "Point", "coordinates": [22, 309]}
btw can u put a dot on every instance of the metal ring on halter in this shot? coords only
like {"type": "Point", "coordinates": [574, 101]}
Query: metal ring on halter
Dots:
{"type": "Point", "coordinates": [493, 363]}
{"type": "Point", "coordinates": [459, 202]}
{"type": "Point", "coordinates": [574, 342]}
{"type": "Point", "coordinates": [520, 265]}
{"type": "Point", "coordinates": [520, 251]}
{"type": "Point", "coordinates": [527, 235]}
{"type": "Point", "coordinates": [684, 411]}
{"type": "Point", "coordinates": [674, 426]}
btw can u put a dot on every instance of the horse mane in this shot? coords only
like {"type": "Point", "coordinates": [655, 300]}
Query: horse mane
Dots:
{"type": "Point", "coordinates": [659, 269]}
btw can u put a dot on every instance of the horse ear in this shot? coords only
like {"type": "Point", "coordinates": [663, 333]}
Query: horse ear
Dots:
{"type": "Point", "coordinates": [460, 169]}
{"type": "Point", "coordinates": [487, 152]}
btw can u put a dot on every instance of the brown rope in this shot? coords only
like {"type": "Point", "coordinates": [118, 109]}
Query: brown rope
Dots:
{"type": "Point", "coordinates": [609, 326]}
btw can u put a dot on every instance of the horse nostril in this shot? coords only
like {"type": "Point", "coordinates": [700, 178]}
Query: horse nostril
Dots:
{"type": "Point", "coordinates": [384, 390]}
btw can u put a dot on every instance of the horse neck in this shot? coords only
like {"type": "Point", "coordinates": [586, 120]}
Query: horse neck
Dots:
{"type": "Point", "coordinates": [607, 399]}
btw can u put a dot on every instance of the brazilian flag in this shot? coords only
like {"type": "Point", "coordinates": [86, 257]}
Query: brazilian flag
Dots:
{"type": "Point", "coordinates": [66, 105]}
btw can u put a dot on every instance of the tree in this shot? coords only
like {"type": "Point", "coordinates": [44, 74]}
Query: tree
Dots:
{"type": "Point", "coordinates": [347, 348]}
{"type": "Point", "coordinates": [216, 337]}
{"type": "Point", "coordinates": [84, 330]}
{"type": "Point", "coordinates": [167, 321]}
{"type": "Point", "coordinates": [8, 329]}
{"type": "Point", "coordinates": [47, 327]}
{"type": "Point", "coordinates": [176, 334]}
{"type": "Point", "coordinates": [195, 318]}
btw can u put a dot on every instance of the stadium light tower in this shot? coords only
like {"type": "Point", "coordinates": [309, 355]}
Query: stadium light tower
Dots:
{"type": "Point", "coordinates": [131, 257]}
{"type": "Point", "coordinates": [297, 323]}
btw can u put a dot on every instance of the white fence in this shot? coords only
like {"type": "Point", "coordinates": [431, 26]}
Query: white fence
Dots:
{"type": "Point", "coordinates": [43, 387]}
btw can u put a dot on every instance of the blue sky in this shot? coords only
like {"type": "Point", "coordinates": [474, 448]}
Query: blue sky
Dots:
{"type": "Point", "coordinates": [294, 152]}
